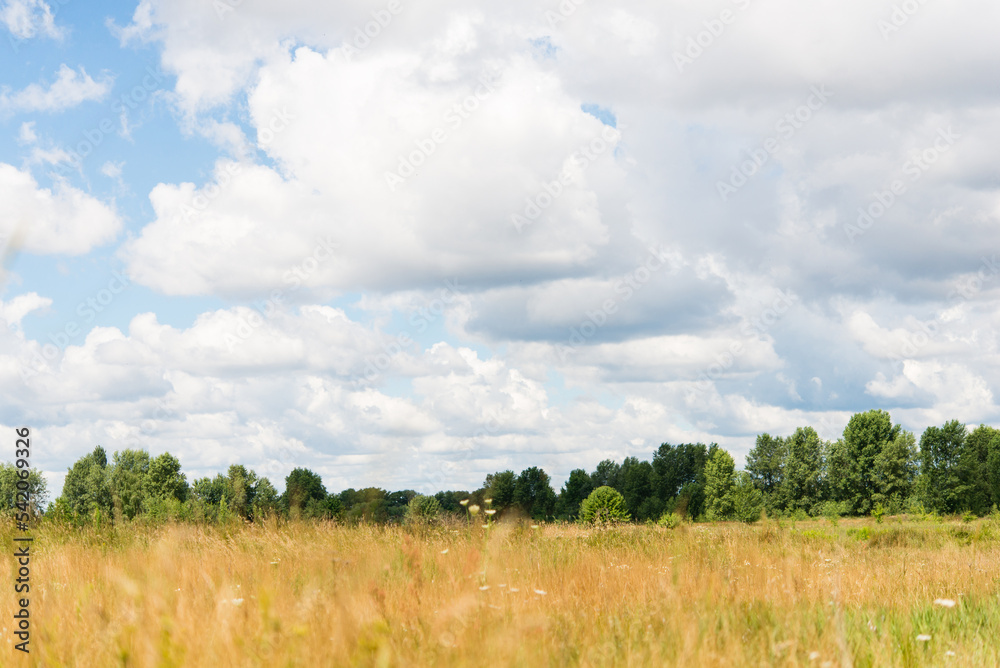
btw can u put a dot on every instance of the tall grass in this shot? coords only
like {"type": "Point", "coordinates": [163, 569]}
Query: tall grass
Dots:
{"type": "Point", "coordinates": [313, 594]}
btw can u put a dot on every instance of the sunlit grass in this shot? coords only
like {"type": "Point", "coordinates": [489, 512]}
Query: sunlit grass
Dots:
{"type": "Point", "coordinates": [815, 593]}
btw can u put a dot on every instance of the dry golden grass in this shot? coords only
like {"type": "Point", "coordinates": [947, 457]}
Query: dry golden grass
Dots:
{"type": "Point", "coordinates": [293, 594]}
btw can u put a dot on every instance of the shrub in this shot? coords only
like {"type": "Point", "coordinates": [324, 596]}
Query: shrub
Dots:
{"type": "Point", "coordinates": [423, 509]}
{"type": "Point", "coordinates": [669, 520]}
{"type": "Point", "coordinates": [604, 504]}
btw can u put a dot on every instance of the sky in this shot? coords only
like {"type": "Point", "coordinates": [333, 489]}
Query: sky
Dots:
{"type": "Point", "coordinates": [406, 245]}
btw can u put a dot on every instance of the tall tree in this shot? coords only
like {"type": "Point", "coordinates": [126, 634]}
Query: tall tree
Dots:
{"type": "Point", "coordinates": [895, 472]}
{"type": "Point", "coordinates": [975, 470]}
{"type": "Point", "coordinates": [636, 486]}
{"type": "Point", "coordinates": [802, 487]}
{"type": "Point", "coordinates": [128, 473]}
{"type": "Point", "coordinates": [500, 487]}
{"type": "Point", "coordinates": [766, 465]}
{"type": "Point", "coordinates": [720, 482]}
{"type": "Point", "coordinates": [533, 493]}
{"type": "Point", "coordinates": [165, 479]}
{"type": "Point", "coordinates": [87, 488]}
{"type": "Point", "coordinates": [301, 487]}
{"type": "Point", "coordinates": [852, 471]}
{"type": "Point", "coordinates": [576, 488]}
{"type": "Point", "coordinates": [940, 453]}
{"type": "Point", "coordinates": [679, 467]}
{"type": "Point", "coordinates": [606, 474]}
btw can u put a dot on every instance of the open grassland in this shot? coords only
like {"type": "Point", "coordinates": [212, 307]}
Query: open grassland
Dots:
{"type": "Point", "coordinates": [296, 594]}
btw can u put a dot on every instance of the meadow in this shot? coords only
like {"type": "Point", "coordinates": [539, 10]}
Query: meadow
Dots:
{"type": "Point", "coordinates": [903, 592]}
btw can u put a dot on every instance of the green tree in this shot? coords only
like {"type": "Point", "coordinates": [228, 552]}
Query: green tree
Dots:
{"type": "Point", "coordinates": [266, 500]}
{"type": "Point", "coordinates": [679, 476]}
{"type": "Point", "coordinates": [38, 492]}
{"type": "Point", "coordinates": [500, 487]}
{"type": "Point", "coordinates": [128, 473]}
{"type": "Point", "coordinates": [87, 488]}
{"type": "Point", "coordinates": [241, 493]}
{"type": "Point", "coordinates": [975, 471]}
{"type": "Point", "coordinates": [940, 454]}
{"type": "Point", "coordinates": [895, 472]}
{"type": "Point", "coordinates": [802, 486]}
{"type": "Point", "coordinates": [604, 504]}
{"type": "Point", "coordinates": [748, 501]}
{"type": "Point", "coordinates": [576, 488]}
{"type": "Point", "coordinates": [606, 474]}
{"type": "Point", "coordinates": [993, 468]}
{"type": "Point", "coordinates": [636, 485]}
{"type": "Point", "coordinates": [533, 493]}
{"type": "Point", "coordinates": [852, 472]}
{"type": "Point", "coordinates": [766, 464]}
{"type": "Point", "coordinates": [451, 501]}
{"type": "Point", "coordinates": [209, 490]}
{"type": "Point", "coordinates": [720, 481]}
{"type": "Point", "coordinates": [301, 487]}
{"type": "Point", "coordinates": [165, 480]}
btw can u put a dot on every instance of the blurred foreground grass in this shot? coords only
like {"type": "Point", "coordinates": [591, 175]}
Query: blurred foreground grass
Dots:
{"type": "Point", "coordinates": [301, 594]}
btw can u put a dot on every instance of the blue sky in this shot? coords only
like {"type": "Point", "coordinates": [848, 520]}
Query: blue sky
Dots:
{"type": "Point", "coordinates": [409, 246]}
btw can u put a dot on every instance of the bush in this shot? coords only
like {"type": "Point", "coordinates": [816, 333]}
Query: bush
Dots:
{"type": "Point", "coordinates": [423, 509]}
{"type": "Point", "coordinates": [669, 520]}
{"type": "Point", "coordinates": [604, 504]}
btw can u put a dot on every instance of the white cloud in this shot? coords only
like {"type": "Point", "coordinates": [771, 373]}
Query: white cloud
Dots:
{"type": "Point", "coordinates": [64, 221]}
{"type": "Point", "coordinates": [28, 18]}
{"type": "Point", "coordinates": [13, 311]}
{"type": "Point", "coordinates": [308, 134]}
{"type": "Point", "coordinates": [70, 88]}
{"type": "Point", "coordinates": [26, 135]}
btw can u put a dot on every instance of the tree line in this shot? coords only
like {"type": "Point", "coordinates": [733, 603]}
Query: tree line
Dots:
{"type": "Point", "coordinates": [875, 467]}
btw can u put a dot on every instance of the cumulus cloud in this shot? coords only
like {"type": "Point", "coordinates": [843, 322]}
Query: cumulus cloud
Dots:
{"type": "Point", "coordinates": [816, 184]}
{"type": "Point", "coordinates": [64, 221]}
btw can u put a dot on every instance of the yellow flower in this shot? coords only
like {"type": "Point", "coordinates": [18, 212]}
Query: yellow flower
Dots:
{"type": "Point", "coordinates": [464, 502]}
{"type": "Point", "coordinates": [474, 509]}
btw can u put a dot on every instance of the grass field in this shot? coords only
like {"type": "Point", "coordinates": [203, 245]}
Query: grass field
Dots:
{"type": "Point", "coordinates": [812, 593]}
